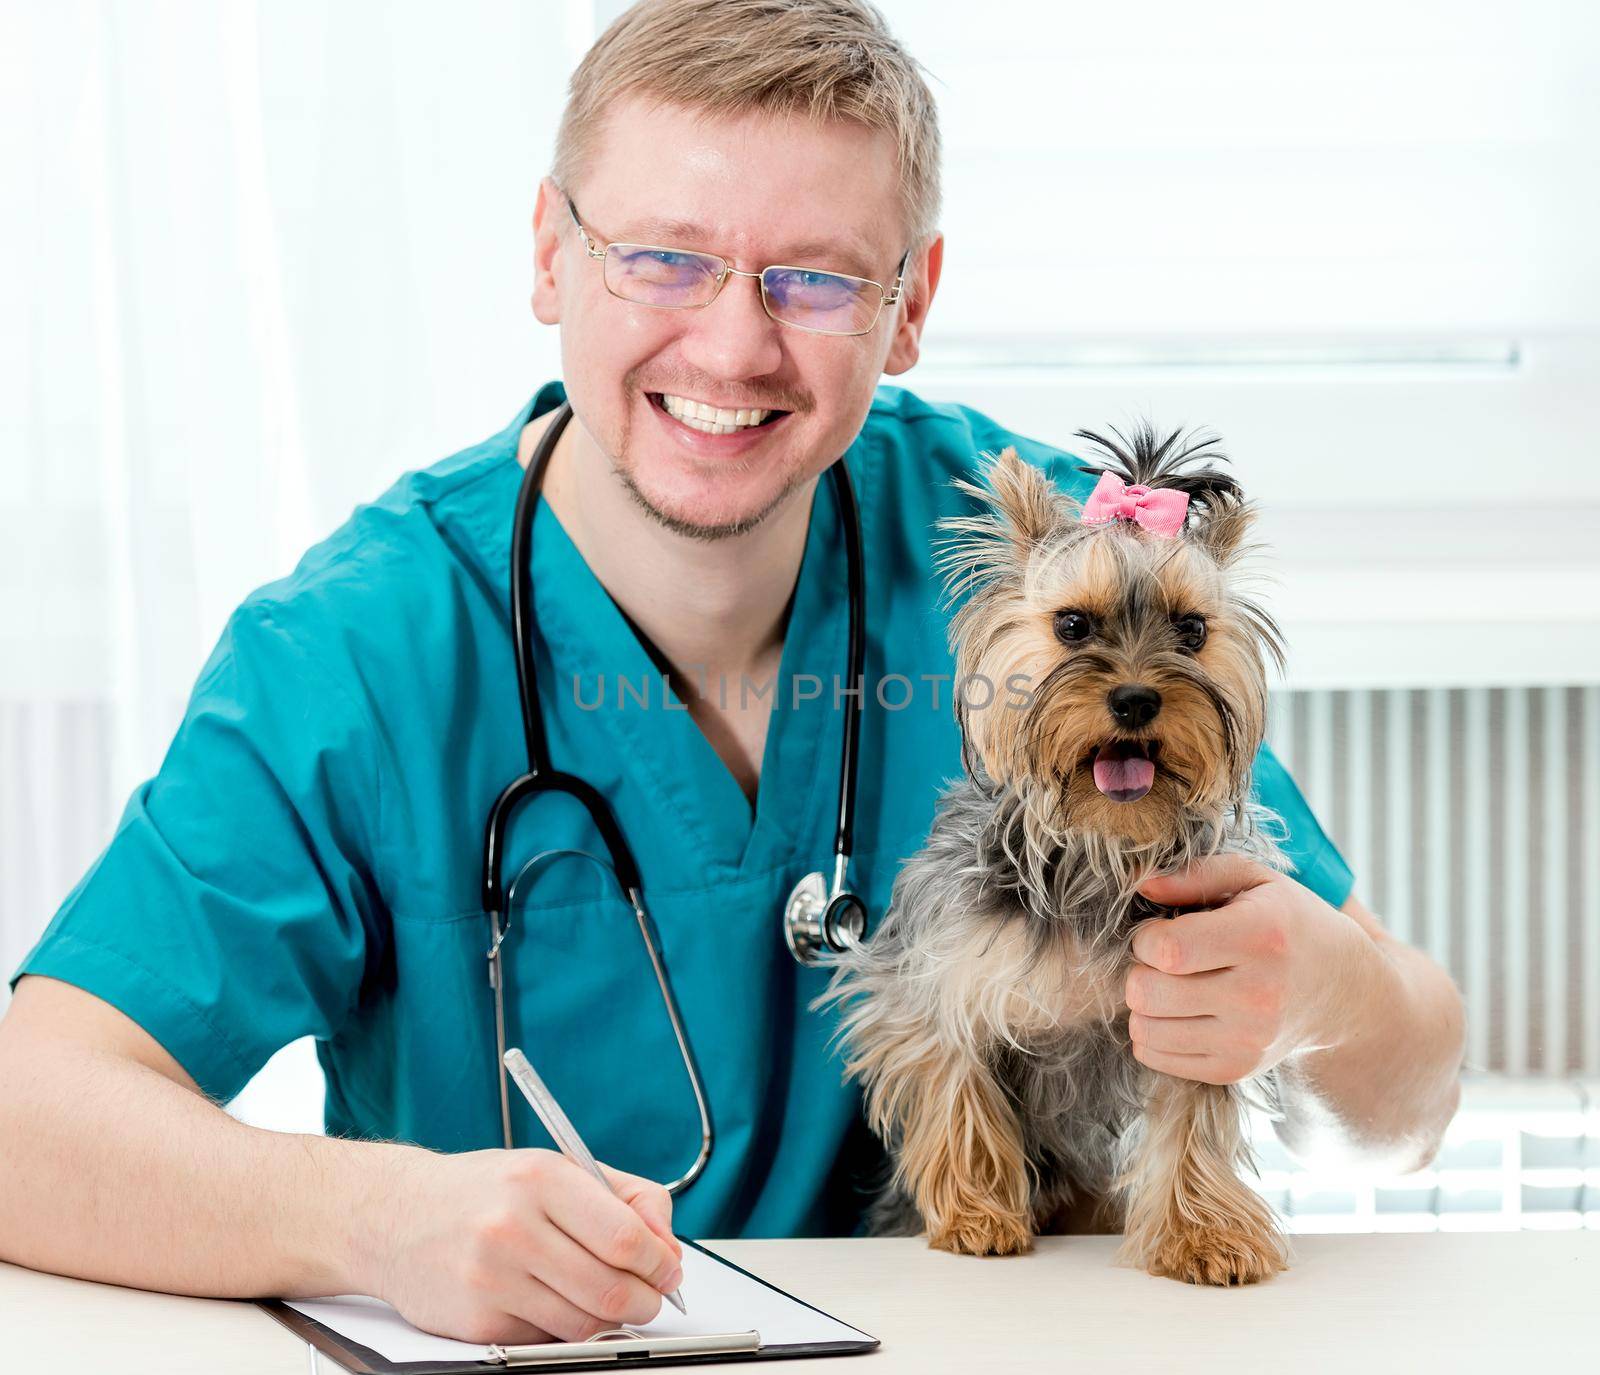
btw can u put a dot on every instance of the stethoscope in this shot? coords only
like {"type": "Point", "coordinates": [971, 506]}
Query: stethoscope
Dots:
{"type": "Point", "coordinates": [818, 917]}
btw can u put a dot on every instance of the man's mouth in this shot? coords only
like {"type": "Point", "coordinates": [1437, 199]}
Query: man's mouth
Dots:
{"type": "Point", "coordinates": [710, 419]}
{"type": "Point", "coordinates": [1125, 770]}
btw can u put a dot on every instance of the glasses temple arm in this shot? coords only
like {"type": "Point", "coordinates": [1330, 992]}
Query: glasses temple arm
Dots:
{"type": "Point", "coordinates": [589, 245]}
{"type": "Point", "coordinates": [893, 294]}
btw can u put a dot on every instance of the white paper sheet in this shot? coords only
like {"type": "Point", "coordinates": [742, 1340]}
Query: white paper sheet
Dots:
{"type": "Point", "coordinates": [719, 1299]}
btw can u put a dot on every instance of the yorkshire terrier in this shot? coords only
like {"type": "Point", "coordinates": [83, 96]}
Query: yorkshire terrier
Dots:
{"type": "Point", "coordinates": [985, 1017]}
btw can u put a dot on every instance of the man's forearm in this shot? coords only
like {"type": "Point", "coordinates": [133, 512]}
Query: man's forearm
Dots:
{"type": "Point", "coordinates": [1385, 1087]}
{"type": "Point", "coordinates": [110, 1171]}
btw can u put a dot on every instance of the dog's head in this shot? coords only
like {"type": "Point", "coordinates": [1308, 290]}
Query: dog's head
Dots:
{"type": "Point", "coordinates": [1123, 662]}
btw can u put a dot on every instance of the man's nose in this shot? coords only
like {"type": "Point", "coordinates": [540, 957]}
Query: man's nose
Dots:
{"type": "Point", "coordinates": [734, 337]}
{"type": "Point", "coordinates": [1133, 704]}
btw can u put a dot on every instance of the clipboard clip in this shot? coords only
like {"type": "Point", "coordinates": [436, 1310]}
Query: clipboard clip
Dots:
{"type": "Point", "coordinates": [621, 1344]}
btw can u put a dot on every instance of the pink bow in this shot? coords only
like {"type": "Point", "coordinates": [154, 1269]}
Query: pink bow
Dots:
{"type": "Point", "coordinates": [1160, 510]}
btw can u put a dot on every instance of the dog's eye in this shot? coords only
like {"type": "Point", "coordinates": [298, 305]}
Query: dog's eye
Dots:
{"type": "Point", "coordinates": [1072, 626]}
{"type": "Point", "coordinates": [1191, 631]}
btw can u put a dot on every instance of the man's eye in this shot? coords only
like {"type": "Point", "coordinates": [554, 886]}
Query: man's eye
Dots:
{"type": "Point", "coordinates": [1072, 626]}
{"type": "Point", "coordinates": [801, 286]}
{"type": "Point", "coordinates": [669, 261]}
{"type": "Point", "coordinates": [660, 266]}
{"type": "Point", "coordinates": [1191, 631]}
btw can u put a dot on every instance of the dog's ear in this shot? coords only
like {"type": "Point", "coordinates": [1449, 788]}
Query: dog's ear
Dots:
{"type": "Point", "coordinates": [1024, 497]}
{"type": "Point", "coordinates": [1222, 525]}
{"type": "Point", "coordinates": [1019, 510]}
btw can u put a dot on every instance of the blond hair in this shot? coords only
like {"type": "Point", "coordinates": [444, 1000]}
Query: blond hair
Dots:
{"type": "Point", "coordinates": [825, 59]}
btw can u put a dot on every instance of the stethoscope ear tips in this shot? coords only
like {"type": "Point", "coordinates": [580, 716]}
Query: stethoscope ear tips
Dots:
{"type": "Point", "coordinates": [815, 925]}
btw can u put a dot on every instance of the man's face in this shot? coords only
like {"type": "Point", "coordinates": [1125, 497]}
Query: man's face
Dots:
{"type": "Point", "coordinates": [757, 192]}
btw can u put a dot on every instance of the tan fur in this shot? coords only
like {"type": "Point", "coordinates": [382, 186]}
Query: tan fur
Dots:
{"type": "Point", "coordinates": [1002, 988]}
{"type": "Point", "coordinates": [1016, 637]}
{"type": "Point", "coordinates": [1093, 582]}
{"type": "Point", "coordinates": [1224, 534]}
{"type": "Point", "coordinates": [992, 989]}
{"type": "Point", "coordinates": [962, 1161]}
{"type": "Point", "coordinates": [1190, 1216]}
{"type": "Point", "coordinates": [1024, 646]}
{"type": "Point", "coordinates": [960, 1153]}
{"type": "Point", "coordinates": [1030, 505]}
{"type": "Point", "coordinates": [1188, 581]}
{"type": "Point", "coordinates": [985, 1018]}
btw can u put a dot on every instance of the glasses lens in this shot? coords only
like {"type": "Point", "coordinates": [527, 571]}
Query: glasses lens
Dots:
{"type": "Point", "coordinates": [822, 301]}
{"type": "Point", "coordinates": [661, 276]}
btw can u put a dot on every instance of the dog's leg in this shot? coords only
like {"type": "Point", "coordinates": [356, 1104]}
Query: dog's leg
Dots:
{"type": "Point", "coordinates": [943, 984]}
{"type": "Point", "coordinates": [1189, 1215]}
{"type": "Point", "coordinates": [961, 1160]}
{"type": "Point", "coordinates": [956, 1143]}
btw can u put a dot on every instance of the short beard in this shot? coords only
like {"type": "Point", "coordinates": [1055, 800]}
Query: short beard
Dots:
{"type": "Point", "coordinates": [688, 529]}
{"type": "Point", "coordinates": [705, 533]}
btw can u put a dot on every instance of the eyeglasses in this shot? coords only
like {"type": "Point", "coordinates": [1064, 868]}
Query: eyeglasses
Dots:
{"type": "Point", "coordinates": [677, 279]}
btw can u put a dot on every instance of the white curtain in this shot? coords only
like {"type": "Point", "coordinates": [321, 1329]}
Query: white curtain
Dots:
{"type": "Point", "coordinates": [256, 260]}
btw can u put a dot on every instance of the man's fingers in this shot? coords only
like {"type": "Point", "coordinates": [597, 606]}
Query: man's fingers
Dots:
{"type": "Point", "coordinates": [647, 1198]}
{"type": "Point", "coordinates": [611, 1230]}
{"type": "Point", "coordinates": [1190, 943]}
{"type": "Point", "coordinates": [548, 1315]}
{"type": "Point", "coordinates": [1152, 993]}
{"type": "Point", "coordinates": [1201, 1069]}
{"type": "Point", "coordinates": [1171, 1035]}
{"type": "Point", "coordinates": [1207, 883]}
{"type": "Point", "coordinates": [590, 1285]}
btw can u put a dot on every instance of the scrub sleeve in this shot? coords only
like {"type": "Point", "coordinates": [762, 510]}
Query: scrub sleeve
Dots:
{"type": "Point", "coordinates": [1315, 860]}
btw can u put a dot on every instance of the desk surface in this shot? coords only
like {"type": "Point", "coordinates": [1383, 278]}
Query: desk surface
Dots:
{"type": "Point", "coordinates": [1404, 1303]}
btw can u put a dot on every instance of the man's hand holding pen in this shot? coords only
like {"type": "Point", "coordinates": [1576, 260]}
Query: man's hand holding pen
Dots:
{"type": "Point", "coordinates": [521, 1246]}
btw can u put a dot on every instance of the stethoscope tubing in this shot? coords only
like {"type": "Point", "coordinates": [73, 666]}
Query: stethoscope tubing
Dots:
{"type": "Point", "coordinates": [855, 661]}
{"type": "Point", "coordinates": [542, 778]}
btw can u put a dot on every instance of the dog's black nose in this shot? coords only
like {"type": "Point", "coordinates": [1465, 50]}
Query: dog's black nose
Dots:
{"type": "Point", "coordinates": [1133, 704]}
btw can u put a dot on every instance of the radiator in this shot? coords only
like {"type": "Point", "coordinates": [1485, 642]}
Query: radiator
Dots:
{"type": "Point", "coordinates": [1471, 818]}
{"type": "Point", "coordinates": [1519, 1154]}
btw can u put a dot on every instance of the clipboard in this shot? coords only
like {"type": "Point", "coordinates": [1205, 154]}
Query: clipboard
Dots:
{"type": "Point", "coordinates": [619, 1349]}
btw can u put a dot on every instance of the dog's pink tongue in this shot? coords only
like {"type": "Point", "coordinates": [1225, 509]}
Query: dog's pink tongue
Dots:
{"type": "Point", "coordinates": [1124, 779]}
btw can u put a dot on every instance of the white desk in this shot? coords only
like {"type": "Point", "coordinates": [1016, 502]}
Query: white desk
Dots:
{"type": "Point", "coordinates": [1514, 1302]}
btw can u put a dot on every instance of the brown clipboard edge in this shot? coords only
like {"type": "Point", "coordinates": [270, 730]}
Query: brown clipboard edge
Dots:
{"type": "Point", "coordinates": [362, 1360]}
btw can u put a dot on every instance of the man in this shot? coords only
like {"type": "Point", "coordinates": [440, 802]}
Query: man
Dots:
{"type": "Point", "coordinates": [306, 862]}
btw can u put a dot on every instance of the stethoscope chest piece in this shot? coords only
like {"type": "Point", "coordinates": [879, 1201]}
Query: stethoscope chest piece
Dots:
{"type": "Point", "coordinates": [815, 924]}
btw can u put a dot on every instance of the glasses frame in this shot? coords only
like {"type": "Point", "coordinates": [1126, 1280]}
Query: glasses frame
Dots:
{"type": "Point", "coordinates": [887, 296]}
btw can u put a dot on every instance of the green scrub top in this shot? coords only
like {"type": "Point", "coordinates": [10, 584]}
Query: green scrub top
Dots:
{"type": "Point", "coordinates": [307, 860]}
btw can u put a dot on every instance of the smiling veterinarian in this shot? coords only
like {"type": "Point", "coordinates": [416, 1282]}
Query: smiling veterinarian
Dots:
{"type": "Point", "coordinates": [307, 861]}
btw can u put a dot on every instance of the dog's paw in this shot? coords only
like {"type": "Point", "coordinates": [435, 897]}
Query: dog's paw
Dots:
{"type": "Point", "coordinates": [1218, 1256]}
{"type": "Point", "coordinates": [978, 1233]}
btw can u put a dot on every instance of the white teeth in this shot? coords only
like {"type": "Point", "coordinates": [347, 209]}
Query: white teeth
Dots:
{"type": "Point", "coordinates": [697, 415]}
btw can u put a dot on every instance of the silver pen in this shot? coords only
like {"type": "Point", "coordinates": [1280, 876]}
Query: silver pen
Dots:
{"type": "Point", "coordinates": [543, 1102]}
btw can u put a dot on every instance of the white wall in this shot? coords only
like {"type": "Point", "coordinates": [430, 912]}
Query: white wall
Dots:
{"type": "Point", "coordinates": [1355, 240]}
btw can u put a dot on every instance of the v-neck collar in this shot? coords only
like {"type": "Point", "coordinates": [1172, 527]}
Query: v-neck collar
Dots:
{"type": "Point", "coordinates": [664, 751]}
